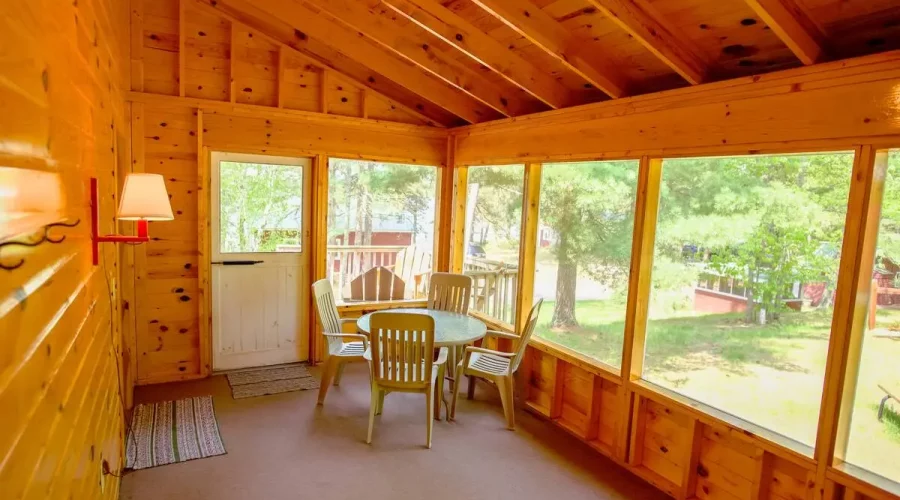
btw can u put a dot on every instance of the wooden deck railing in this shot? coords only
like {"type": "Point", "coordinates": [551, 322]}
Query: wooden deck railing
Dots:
{"type": "Point", "coordinates": [494, 283]}
{"type": "Point", "coordinates": [494, 286]}
{"type": "Point", "coordinates": [346, 262]}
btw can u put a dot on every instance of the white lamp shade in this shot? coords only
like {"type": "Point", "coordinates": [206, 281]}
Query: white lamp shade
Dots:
{"type": "Point", "coordinates": [144, 197]}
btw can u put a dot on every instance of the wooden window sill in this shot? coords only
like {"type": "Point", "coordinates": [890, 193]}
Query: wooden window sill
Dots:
{"type": "Point", "coordinates": [862, 480]}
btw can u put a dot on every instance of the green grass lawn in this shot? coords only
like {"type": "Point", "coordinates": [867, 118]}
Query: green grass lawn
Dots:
{"type": "Point", "coordinates": [771, 375]}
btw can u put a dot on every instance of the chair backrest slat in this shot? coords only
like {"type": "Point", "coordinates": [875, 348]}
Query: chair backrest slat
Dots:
{"type": "Point", "coordinates": [326, 310]}
{"type": "Point", "coordinates": [525, 335]}
{"type": "Point", "coordinates": [402, 348]}
{"type": "Point", "coordinates": [450, 292]}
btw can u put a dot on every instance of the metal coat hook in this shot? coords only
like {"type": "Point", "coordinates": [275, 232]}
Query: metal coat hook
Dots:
{"type": "Point", "coordinates": [45, 238]}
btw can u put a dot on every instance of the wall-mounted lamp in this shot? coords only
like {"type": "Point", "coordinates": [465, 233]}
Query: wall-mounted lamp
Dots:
{"type": "Point", "coordinates": [144, 198]}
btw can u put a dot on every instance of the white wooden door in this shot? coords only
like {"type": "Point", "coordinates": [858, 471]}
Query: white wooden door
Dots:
{"type": "Point", "coordinates": [260, 239]}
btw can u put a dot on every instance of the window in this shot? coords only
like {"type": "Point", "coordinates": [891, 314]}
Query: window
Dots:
{"type": "Point", "coordinates": [493, 228]}
{"type": "Point", "coordinates": [261, 207]}
{"type": "Point", "coordinates": [742, 288]}
{"type": "Point", "coordinates": [874, 441]}
{"type": "Point", "coordinates": [584, 254]}
{"type": "Point", "coordinates": [380, 229]}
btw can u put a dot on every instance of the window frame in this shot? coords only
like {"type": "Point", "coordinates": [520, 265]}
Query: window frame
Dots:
{"type": "Point", "coordinates": [321, 187]}
{"type": "Point", "coordinates": [821, 456]}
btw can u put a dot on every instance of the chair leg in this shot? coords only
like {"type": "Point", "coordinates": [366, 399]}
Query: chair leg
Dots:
{"type": "Point", "coordinates": [429, 402]}
{"type": "Point", "coordinates": [470, 390]}
{"type": "Point", "coordinates": [339, 373]}
{"type": "Point", "coordinates": [511, 389]}
{"type": "Point", "coordinates": [505, 398]}
{"type": "Point", "coordinates": [452, 413]}
{"type": "Point", "coordinates": [373, 406]}
{"type": "Point", "coordinates": [327, 376]}
{"type": "Point", "coordinates": [381, 394]}
{"type": "Point", "coordinates": [439, 393]}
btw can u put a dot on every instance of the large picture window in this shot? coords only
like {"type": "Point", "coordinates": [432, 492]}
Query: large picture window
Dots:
{"type": "Point", "coordinates": [742, 290]}
{"type": "Point", "coordinates": [874, 426]}
{"type": "Point", "coordinates": [380, 229]}
{"type": "Point", "coordinates": [493, 229]}
{"type": "Point", "coordinates": [583, 255]}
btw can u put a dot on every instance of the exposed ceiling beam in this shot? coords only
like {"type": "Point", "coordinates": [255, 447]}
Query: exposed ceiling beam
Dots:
{"type": "Point", "coordinates": [542, 30]}
{"type": "Point", "coordinates": [313, 23]}
{"type": "Point", "coordinates": [326, 55]}
{"type": "Point", "coordinates": [480, 47]}
{"type": "Point", "coordinates": [656, 37]}
{"type": "Point", "coordinates": [792, 26]}
{"type": "Point", "coordinates": [408, 41]}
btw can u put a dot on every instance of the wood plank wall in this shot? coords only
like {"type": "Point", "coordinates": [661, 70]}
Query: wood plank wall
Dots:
{"type": "Point", "coordinates": [687, 449]}
{"type": "Point", "coordinates": [191, 63]}
{"type": "Point", "coordinates": [170, 343]}
{"type": "Point", "coordinates": [187, 48]}
{"type": "Point", "coordinates": [806, 108]}
{"type": "Point", "coordinates": [63, 68]}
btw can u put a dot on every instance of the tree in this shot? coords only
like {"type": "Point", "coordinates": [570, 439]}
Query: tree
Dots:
{"type": "Point", "coordinates": [768, 222]}
{"type": "Point", "coordinates": [260, 206]}
{"type": "Point", "coordinates": [590, 208]}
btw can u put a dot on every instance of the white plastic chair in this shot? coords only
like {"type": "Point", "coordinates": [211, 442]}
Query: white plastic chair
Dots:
{"type": "Point", "coordinates": [342, 347]}
{"type": "Point", "coordinates": [450, 292]}
{"type": "Point", "coordinates": [401, 359]}
{"type": "Point", "coordinates": [496, 366]}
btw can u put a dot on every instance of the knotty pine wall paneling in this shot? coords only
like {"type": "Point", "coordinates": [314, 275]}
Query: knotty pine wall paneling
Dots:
{"type": "Point", "coordinates": [184, 48]}
{"type": "Point", "coordinates": [167, 270]}
{"type": "Point", "coordinates": [64, 72]}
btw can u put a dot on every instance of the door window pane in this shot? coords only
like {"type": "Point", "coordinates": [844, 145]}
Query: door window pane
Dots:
{"type": "Point", "coordinates": [584, 255]}
{"type": "Point", "coordinates": [380, 229]}
{"type": "Point", "coordinates": [493, 228]}
{"type": "Point", "coordinates": [874, 442]}
{"type": "Point", "coordinates": [261, 207]}
{"type": "Point", "coordinates": [742, 291]}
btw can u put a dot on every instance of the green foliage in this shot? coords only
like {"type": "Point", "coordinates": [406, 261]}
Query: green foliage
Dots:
{"type": "Point", "coordinates": [498, 203]}
{"type": "Point", "coordinates": [767, 221]}
{"type": "Point", "coordinates": [261, 206]}
{"type": "Point", "coordinates": [360, 191]}
{"type": "Point", "coordinates": [672, 285]}
{"type": "Point", "coordinates": [590, 206]}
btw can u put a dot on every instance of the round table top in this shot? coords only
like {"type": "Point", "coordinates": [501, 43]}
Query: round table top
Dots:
{"type": "Point", "coordinates": [449, 328]}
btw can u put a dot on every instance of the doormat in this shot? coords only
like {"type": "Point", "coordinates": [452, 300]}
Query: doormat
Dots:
{"type": "Point", "coordinates": [173, 431]}
{"type": "Point", "coordinates": [271, 380]}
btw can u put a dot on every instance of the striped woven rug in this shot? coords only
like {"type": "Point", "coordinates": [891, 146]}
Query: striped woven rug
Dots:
{"type": "Point", "coordinates": [262, 381]}
{"type": "Point", "coordinates": [173, 431]}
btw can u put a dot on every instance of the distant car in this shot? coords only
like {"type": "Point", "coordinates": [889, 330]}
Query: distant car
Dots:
{"type": "Point", "coordinates": [476, 251]}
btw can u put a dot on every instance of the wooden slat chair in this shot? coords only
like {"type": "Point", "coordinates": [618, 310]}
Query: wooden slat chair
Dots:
{"type": "Point", "coordinates": [450, 292]}
{"type": "Point", "coordinates": [402, 360]}
{"type": "Point", "coordinates": [412, 265]}
{"type": "Point", "coordinates": [342, 347]}
{"type": "Point", "coordinates": [496, 366]}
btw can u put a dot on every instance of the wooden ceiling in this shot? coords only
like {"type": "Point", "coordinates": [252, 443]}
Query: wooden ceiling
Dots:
{"type": "Point", "coordinates": [470, 61]}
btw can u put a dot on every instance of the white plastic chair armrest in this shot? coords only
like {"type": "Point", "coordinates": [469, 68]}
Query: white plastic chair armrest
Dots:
{"type": "Point", "coordinates": [442, 356]}
{"type": "Point", "coordinates": [502, 335]}
{"type": "Point", "coordinates": [481, 350]}
{"type": "Point", "coordinates": [353, 336]}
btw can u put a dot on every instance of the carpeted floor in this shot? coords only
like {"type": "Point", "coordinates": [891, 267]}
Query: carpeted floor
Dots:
{"type": "Point", "coordinates": [284, 447]}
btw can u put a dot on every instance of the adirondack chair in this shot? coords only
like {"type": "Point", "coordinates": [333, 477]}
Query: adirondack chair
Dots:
{"type": "Point", "coordinates": [412, 265]}
{"type": "Point", "coordinates": [377, 284]}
